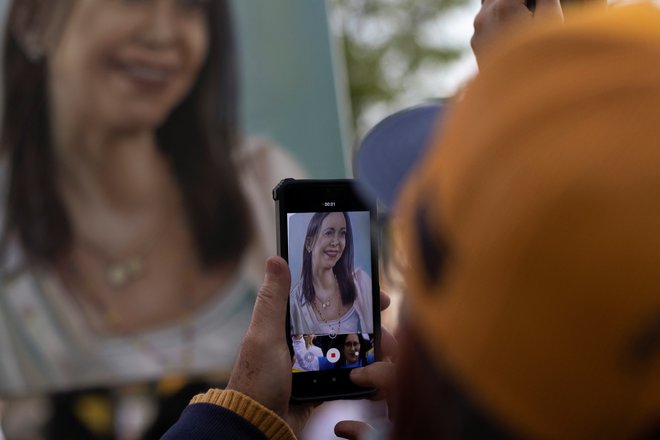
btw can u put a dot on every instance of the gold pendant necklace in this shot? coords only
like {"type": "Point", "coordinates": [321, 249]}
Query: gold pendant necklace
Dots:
{"type": "Point", "coordinates": [120, 271]}
{"type": "Point", "coordinates": [180, 362]}
{"type": "Point", "coordinates": [325, 304]}
{"type": "Point", "coordinates": [333, 331]}
{"type": "Point", "coordinates": [119, 274]}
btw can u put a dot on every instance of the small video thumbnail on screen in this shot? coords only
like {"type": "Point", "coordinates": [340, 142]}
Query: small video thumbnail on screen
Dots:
{"type": "Point", "coordinates": [319, 353]}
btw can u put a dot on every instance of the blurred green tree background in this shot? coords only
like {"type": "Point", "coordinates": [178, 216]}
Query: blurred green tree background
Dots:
{"type": "Point", "coordinates": [387, 44]}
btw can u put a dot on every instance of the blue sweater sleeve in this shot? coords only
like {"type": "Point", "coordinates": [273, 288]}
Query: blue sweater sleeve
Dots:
{"type": "Point", "coordinates": [206, 421]}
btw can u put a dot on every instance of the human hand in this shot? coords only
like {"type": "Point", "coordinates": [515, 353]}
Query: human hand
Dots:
{"type": "Point", "coordinates": [379, 375]}
{"type": "Point", "coordinates": [497, 17]}
{"type": "Point", "coordinates": [263, 367]}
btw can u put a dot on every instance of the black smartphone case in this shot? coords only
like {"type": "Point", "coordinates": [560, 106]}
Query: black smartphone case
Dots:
{"type": "Point", "coordinates": [316, 196]}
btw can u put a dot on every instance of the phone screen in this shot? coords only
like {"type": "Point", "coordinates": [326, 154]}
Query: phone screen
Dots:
{"type": "Point", "coordinates": [331, 299]}
{"type": "Point", "coordinates": [325, 234]}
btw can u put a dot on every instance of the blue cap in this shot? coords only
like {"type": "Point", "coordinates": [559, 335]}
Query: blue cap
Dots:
{"type": "Point", "coordinates": [391, 148]}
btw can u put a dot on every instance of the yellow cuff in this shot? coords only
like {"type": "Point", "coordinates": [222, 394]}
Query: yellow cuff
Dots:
{"type": "Point", "coordinates": [272, 425]}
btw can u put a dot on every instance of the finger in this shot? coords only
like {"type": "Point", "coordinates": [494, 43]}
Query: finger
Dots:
{"type": "Point", "coordinates": [269, 314]}
{"type": "Point", "coordinates": [377, 375]}
{"type": "Point", "coordinates": [352, 429]}
{"type": "Point", "coordinates": [388, 344]}
{"type": "Point", "coordinates": [384, 301]}
{"type": "Point", "coordinates": [548, 10]}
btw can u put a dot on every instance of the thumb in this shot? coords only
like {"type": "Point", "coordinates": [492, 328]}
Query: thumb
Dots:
{"type": "Point", "coordinates": [269, 314]}
{"type": "Point", "coordinates": [352, 429]}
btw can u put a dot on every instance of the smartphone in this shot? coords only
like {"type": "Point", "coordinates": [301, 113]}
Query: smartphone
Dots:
{"type": "Point", "coordinates": [325, 231]}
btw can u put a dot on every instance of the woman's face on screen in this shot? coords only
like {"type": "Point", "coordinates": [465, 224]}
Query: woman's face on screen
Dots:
{"type": "Point", "coordinates": [330, 242]}
{"type": "Point", "coordinates": [352, 349]}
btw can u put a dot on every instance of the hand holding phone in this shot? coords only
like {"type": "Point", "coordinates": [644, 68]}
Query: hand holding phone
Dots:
{"type": "Point", "coordinates": [263, 367]}
{"type": "Point", "coordinates": [325, 233]}
{"type": "Point", "coordinates": [497, 17]}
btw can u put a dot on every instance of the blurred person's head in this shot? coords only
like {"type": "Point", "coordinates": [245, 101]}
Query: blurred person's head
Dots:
{"type": "Point", "coordinates": [165, 67]}
{"type": "Point", "coordinates": [328, 245]}
{"type": "Point", "coordinates": [532, 233]}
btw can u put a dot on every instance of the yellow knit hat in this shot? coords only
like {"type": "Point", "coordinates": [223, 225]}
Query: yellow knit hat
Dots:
{"type": "Point", "coordinates": [532, 230]}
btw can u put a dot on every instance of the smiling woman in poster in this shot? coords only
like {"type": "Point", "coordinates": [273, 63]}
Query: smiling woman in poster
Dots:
{"type": "Point", "coordinates": [331, 297]}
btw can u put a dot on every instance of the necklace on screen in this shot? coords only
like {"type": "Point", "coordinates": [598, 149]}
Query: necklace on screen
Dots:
{"type": "Point", "coordinates": [333, 331]}
{"type": "Point", "coordinates": [325, 304]}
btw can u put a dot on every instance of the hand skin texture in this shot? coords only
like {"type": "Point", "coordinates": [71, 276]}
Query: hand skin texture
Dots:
{"type": "Point", "coordinates": [498, 17]}
{"type": "Point", "coordinates": [263, 368]}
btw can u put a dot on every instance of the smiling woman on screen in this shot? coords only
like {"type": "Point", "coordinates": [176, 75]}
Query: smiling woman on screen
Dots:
{"type": "Point", "coordinates": [331, 297]}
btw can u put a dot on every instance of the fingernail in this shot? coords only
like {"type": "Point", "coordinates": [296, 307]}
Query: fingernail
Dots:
{"type": "Point", "coordinates": [272, 267]}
